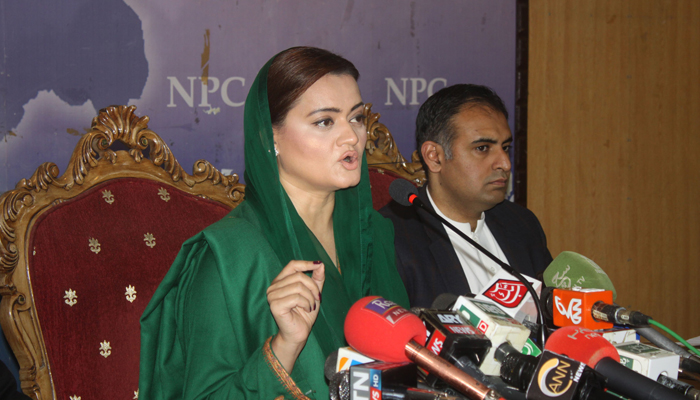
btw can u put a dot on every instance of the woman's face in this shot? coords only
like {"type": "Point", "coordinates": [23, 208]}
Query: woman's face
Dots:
{"type": "Point", "coordinates": [322, 139]}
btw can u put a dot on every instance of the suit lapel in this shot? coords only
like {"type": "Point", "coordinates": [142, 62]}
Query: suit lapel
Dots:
{"type": "Point", "coordinates": [516, 254]}
{"type": "Point", "coordinates": [448, 265]}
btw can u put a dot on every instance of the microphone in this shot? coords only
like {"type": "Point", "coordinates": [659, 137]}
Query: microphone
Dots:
{"type": "Point", "coordinates": [381, 329]}
{"type": "Point", "coordinates": [404, 193]}
{"type": "Point", "coordinates": [575, 307]}
{"type": "Point", "coordinates": [496, 325]}
{"type": "Point", "coordinates": [338, 382]}
{"type": "Point", "coordinates": [347, 357]}
{"type": "Point", "coordinates": [444, 301]}
{"type": "Point", "coordinates": [689, 362]}
{"type": "Point", "coordinates": [589, 308]}
{"type": "Point", "coordinates": [684, 388]}
{"type": "Point", "coordinates": [570, 269]}
{"type": "Point", "coordinates": [451, 338]}
{"type": "Point", "coordinates": [370, 381]}
{"type": "Point", "coordinates": [377, 380]}
{"type": "Point", "coordinates": [518, 369]}
{"type": "Point", "coordinates": [594, 350]}
{"type": "Point", "coordinates": [648, 360]}
{"type": "Point", "coordinates": [460, 343]}
{"type": "Point", "coordinates": [388, 381]}
{"type": "Point", "coordinates": [512, 296]}
{"type": "Point", "coordinates": [550, 376]}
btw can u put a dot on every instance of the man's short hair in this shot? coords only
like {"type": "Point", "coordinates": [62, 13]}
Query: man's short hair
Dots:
{"type": "Point", "coordinates": [434, 121]}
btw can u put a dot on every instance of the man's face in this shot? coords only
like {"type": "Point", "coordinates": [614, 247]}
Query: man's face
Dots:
{"type": "Point", "coordinates": [476, 177]}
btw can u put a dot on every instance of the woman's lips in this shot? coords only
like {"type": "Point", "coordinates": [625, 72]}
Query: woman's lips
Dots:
{"type": "Point", "coordinates": [349, 160]}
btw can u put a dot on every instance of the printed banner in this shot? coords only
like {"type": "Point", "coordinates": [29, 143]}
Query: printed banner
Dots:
{"type": "Point", "coordinates": [189, 65]}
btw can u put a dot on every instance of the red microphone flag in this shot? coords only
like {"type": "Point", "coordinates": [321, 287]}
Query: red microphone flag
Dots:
{"type": "Point", "coordinates": [380, 329]}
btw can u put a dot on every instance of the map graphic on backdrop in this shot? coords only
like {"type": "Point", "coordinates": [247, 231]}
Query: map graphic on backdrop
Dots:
{"type": "Point", "coordinates": [64, 60]}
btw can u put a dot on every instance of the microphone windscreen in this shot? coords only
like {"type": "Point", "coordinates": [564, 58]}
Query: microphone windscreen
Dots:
{"type": "Point", "coordinates": [444, 301]}
{"type": "Point", "coordinates": [571, 269]}
{"type": "Point", "coordinates": [380, 329]}
{"type": "Point", "coordinates": [400, 190]}
{"type": "Point", "coordinates": [581, 344]}
{"type": "Point", "coordinates": [329, 365]}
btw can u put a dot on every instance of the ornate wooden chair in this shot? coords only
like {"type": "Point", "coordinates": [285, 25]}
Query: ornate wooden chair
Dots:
{"type": "Point", "coordinates": [82, 253]}
{"type": "Point", "coordinates": [385, 161]}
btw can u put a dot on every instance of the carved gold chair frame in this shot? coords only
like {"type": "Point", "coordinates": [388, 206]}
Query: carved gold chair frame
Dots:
{"type": "Point", "coordinates": [384, 155]}
{"type": "Point", "coordinates": [91, 163]}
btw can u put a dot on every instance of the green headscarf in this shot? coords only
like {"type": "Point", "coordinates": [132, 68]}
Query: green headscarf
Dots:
{"type": "Point", "coordinates": [355, 236]}
{"type": "Point", "coordinates": [282, 226]}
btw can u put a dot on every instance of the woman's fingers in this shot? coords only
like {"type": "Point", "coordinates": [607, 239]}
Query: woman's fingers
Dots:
{"type": "Point", "coordinates": [293, 294]}
{"type": "Point", "coordinates": [319, 276]}
{"type": "Point", "coordinates": [294, 273]}
{"type": "Point", "coordinates": [299, 266]}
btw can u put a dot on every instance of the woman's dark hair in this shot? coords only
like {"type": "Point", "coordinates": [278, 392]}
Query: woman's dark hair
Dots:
{"type": "Point", "coordinates": [295, 70]}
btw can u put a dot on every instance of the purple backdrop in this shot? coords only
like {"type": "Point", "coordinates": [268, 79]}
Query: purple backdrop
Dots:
{"type": "Point", "coordinates": [68, 59]}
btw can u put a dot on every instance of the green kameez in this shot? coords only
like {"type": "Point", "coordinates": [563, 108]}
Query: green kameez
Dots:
{"type": "Point", "coordinates": [205, 332]}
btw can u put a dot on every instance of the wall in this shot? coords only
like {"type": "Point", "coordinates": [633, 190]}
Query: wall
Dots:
{"type": "Point", "coordinates": [613, 169]}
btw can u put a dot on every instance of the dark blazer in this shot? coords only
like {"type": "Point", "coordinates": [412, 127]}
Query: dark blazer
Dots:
{"type": "Point", "coordinates": [428, 263]}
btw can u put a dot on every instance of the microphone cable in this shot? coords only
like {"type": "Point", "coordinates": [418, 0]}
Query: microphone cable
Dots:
{"type": "Point", "coordinates": [675, 336]}
{"type": "Point", "coordinates": [406, 194]}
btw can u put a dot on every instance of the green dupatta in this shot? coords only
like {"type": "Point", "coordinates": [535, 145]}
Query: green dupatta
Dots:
{"type": "Point", "coordinates": [176, 341]}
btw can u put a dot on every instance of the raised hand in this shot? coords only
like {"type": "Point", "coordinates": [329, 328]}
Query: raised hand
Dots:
{"type": "Point", "coordinates": [295, 299]}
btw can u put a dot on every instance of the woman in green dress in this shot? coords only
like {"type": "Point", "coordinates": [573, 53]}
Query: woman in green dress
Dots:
{"type": "Point", "coordinates": [254, 304]}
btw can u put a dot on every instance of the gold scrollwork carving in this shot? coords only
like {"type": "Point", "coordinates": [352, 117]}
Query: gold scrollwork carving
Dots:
{"type": "Point", "coordinates": [382, 152]}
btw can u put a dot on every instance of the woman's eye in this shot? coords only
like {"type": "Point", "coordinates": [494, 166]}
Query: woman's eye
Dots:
{"type": "Point", "coordinates": [360, 119]}
{"type": "Point", "coordinates": [482, 148]}
{"type": "Point", "coordinates": [324, 123]}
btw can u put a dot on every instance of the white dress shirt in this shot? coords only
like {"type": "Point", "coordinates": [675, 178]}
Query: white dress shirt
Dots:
{"type": "Point", "coordinates": [477, 267]}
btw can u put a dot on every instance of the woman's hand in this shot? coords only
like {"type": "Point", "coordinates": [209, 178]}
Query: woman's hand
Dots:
{"type": "Point", "coordinates": [295, 300]}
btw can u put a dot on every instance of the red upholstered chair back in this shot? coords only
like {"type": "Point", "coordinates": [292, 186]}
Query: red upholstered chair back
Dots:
{"type": "Point", "coordinates": [385, 161]}
{"type": "Point", "coordinates": [83, 253]}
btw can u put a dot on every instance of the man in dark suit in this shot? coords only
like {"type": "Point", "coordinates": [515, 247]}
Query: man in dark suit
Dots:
{"type": "Point", "coordinates": [464, 140]}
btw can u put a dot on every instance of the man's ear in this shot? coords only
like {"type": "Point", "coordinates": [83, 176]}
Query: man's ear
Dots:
{"type": "Point", "coordinates": [433, 156]}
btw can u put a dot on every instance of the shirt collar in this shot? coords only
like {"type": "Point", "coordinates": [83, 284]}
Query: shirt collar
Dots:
{"type": "Point", "coordinates": [464, 226]}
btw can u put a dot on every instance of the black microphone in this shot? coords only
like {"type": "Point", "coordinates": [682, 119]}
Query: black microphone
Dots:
{"type": "Point", "coordinates": [683, 388]}
{"type": "Point", "coordinates": [458, 342]}
{"type": "Point", "coordinates": [451, 338]}
{"type": "Point", "coordinates": [550, 376]}
{"type": "Point", "coordinates": [444, 301]}
{"type": "Point", "coordinates": [404, 193]}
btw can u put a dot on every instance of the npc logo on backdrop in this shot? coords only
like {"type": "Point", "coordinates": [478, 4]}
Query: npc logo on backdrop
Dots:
{"type": "Point", "coordinates": [232, 90]}
{"type": "Point", "coordinates": [507, 293]}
